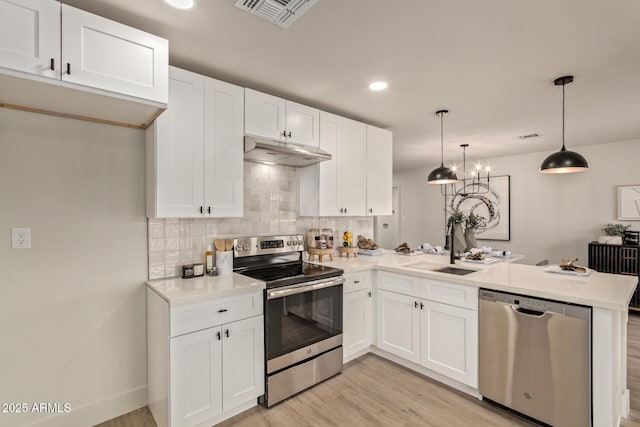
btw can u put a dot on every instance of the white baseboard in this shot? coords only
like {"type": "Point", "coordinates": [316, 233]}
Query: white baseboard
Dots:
{"type": "Point", "coordinates": [97, 412]}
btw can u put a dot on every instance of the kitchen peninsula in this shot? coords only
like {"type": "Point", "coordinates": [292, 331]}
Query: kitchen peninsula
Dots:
{"type": "Point", "coordinates": [394, 275]}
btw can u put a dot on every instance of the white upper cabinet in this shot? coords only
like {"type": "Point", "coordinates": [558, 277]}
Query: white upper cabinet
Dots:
{"type": "Point", "coordinates": [302, 124]}
{"type": "Point", "coordinates": [60, 60]}
{"type": "Point", "coordinates": [195, 149]}
{"type": "Point", "coordinates": [357, 180]}
{"type": "Point", "coordinates": [379, 171]}
{"type": "Point", "coordinates": [176, 145]}
{"type": "Point", "coordinates": [276, 118]}
{"type": "Point", "coordinates": [30, 36]}
{"type": "Point", "coordinates": [104, 54]}
{"type": "Point", "coordinates": [223, 151]}
{"type": "Point", "coordinates": [351, 167]}
{"type": "Point", "coordinates": [264, 114]}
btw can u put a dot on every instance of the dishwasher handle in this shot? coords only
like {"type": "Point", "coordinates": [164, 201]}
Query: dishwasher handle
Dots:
{"type": "Point", "coordinates": [528, 312]}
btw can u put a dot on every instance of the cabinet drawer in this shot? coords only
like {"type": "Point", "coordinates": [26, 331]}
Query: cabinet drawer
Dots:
{"type": "Point", "coordinates": [400, 283]}
{"type": "Point", "coordinates": [450, 293]}
{"type": "Point", "coordinates": [356, 281]}
{"type": "Point", "coordinates": [194, 317]}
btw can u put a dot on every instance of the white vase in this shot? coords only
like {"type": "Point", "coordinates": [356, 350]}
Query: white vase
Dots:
{"type": "Point", "coordinates": [470, 238]}
{"type": "Point", "coordinates": [459, 243]}
{"type": "Point", "coordinates": [610, 240]}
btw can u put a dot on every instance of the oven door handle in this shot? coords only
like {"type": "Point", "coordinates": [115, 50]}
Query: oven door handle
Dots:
{"type": "Point", "coordinates": [304, 287]}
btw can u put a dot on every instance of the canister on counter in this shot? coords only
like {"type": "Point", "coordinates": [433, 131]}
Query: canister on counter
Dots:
{"type": "Point", "coordinates": [313, 237]}
{"type": "Point", "coordinates": [328, 236]}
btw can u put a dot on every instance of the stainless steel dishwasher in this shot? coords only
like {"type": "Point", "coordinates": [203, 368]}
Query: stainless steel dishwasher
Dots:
{"type": "Point", "coordinates": [535, 357]}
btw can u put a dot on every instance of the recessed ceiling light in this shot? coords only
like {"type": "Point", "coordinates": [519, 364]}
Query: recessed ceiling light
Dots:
{"type": "Point", "coordinates": [181, 4]}
{"type": "Point", "coordinates": [378, 86]}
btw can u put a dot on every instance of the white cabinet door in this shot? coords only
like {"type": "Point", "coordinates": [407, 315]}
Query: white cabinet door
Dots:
{"type": "Point", "coordinates": [330, 188]}
{"type": "Point", "coordinates": [450, 341]}
{"type": "Point", "coordinates": [30, 36]}
{"type": "Point", "coordinates": [104, 54]}
{"type": "Point", "coordinates": [398, 329]}
{"type": "Point", "coordinates": [302, 124]}
{"type": "Point", "coordinates": [379, 171]}
{"type": "Point", "coordinates": [351, 168]}
{"type": "Point", "coordinates": [357, 324]}
{"type": "Point", "coordinates": [243, 361]}
{"type": "Point", "coordinates": [264, 115]}
{"type": "Point", "coordinates": [196, 377]}
{"type": "Point", "coordinates": [223, 148]}
{"type": "Point", "coordinates": [179, 149]}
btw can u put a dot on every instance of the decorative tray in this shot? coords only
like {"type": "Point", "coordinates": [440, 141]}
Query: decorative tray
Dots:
{"type": "Point", "coordinates": [371, 252]}
{"type": "Point", "coordinates": [412, 253]}
{"type": "Point", "coordinates": [556, 269]}
{"type": "Point", "coordinates": [481, 261]}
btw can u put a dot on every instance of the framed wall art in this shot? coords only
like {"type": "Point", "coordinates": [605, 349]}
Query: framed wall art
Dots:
{"type": "Point", "coordinates": [629, 203]}
{"type": "Point", "coordinates": [489, 200]}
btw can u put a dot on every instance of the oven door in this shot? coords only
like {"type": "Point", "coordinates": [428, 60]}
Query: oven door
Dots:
{"type": "Point", "coordinates": [302, 321]}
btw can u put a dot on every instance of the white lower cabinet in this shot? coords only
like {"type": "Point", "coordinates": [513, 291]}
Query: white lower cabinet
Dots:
{"type": "Point", "coordinates": [215, 370]}
{"type": "Point", "coordinates": [449, 341]}
{"type": "Point", "coordinates": [357, 319]}
{"type": "Point", "coordinates": [211, 372]}
{"type": "Point", "coordinates": [440, 337]}
{"type": "Point", "coordinates": [399, 325]}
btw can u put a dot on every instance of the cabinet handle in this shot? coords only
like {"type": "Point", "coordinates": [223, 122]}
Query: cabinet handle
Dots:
{"type": "Point", "coordinates": [345, 210]}
{"type": "Point", "coordinates": [356, 281]}
{"type": "Point", "coordinates": [209, 209]}
{"type": "Point", "coordinates": [369, 293]}
{"type": "Point", "coordinates": [284, 133]}
{"type": "Point", "coordinates": [201, 209]}
{"type": "Point", "coordinates": [415, 304]}
{"type": "Point", "coordinates": [226, 333]}
{"type": "Point", "coordinates": [222, 310]}
{"type": "Point", "coordinates": [421, 306]}
{"type": "Point", "coordinates": [68, 68]}
{"type": "Point", "coordinates": [289, 135]}
{"type": "Point", "coordinates": [341, 210]}
{"type": "Point", "coordinates": [218, 335]}
{"type": "Point", "coordinates": [370, 210]}
{"type": "Point", "coordinates": [52, 65]}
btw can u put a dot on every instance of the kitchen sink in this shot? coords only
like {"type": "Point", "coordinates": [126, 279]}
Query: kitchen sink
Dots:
{"type": "Point", "coordinates": [454, 270]}
{"type": "Point", "coordinates": [422, 265]}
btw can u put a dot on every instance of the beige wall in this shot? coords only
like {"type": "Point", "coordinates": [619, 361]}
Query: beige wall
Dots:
{"type": "Point", "coordinates": [552, 216]}
{"type": "Point", "coordinates": [72, 308]}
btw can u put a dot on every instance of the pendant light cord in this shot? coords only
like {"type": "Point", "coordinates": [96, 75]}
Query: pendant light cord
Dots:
{"type": "Point", "coordinates": [563, 149]}
{"type": "Point", "coordinates": [442, 140]}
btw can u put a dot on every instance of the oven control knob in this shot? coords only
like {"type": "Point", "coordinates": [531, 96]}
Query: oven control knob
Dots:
{"type": "Point", "coordinates": [289, 243]}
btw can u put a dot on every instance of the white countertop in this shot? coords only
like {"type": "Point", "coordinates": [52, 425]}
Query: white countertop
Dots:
{"type": "Point", "coordinates": [178, 291]}
{"type": "Point", "coordinates": [603, 290]}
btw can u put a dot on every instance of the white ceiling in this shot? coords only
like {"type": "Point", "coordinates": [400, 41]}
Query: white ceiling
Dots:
{"type": "Point", "coordinates": [491, 63]}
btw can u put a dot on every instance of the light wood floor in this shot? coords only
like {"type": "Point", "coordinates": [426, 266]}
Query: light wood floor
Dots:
{"type": "Point", "coordinates": [372, 391]}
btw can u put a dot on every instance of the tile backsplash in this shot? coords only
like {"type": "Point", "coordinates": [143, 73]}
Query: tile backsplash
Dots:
{"type": "Point", "coordinates": [270, 207]}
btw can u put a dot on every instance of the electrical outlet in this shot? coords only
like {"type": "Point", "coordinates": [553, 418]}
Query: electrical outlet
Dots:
{"type": "Point", "coordinates": [212, 230]}
{"type": "Point", "coordinates": [20, 238]}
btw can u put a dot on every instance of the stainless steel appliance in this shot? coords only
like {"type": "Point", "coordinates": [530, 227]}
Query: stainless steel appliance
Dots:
{"type": "Point", "coordinates": [302, 313]}
{"type": "Point", "coordinates": [259, 149]}
{"type": "Point", "coordinates": [535, 357]}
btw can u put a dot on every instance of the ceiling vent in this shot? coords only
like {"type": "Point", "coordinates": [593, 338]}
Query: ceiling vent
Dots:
{"type": "Point", "coordinates": [280, 12]}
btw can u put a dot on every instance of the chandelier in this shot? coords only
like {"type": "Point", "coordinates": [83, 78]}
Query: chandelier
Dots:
{"type": "Point", "coordinates": [476, 182]}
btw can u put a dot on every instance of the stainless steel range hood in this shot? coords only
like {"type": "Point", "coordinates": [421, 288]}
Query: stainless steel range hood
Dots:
{"type": "Point", "coordinates": [264, 150]}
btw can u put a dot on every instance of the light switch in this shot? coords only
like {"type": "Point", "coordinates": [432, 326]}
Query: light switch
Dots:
{"type": "Point", "coordinates": [20, 238]}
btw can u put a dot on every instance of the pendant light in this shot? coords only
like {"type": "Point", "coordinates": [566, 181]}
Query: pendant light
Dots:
{"type": "Point", "coordinates": [564, 161]}
{"type": "Point", "coordinates": [442, 175]}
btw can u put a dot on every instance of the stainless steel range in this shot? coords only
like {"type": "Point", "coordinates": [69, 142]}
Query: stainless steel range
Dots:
{"type": "Point", "coordinates": [302, 313]}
